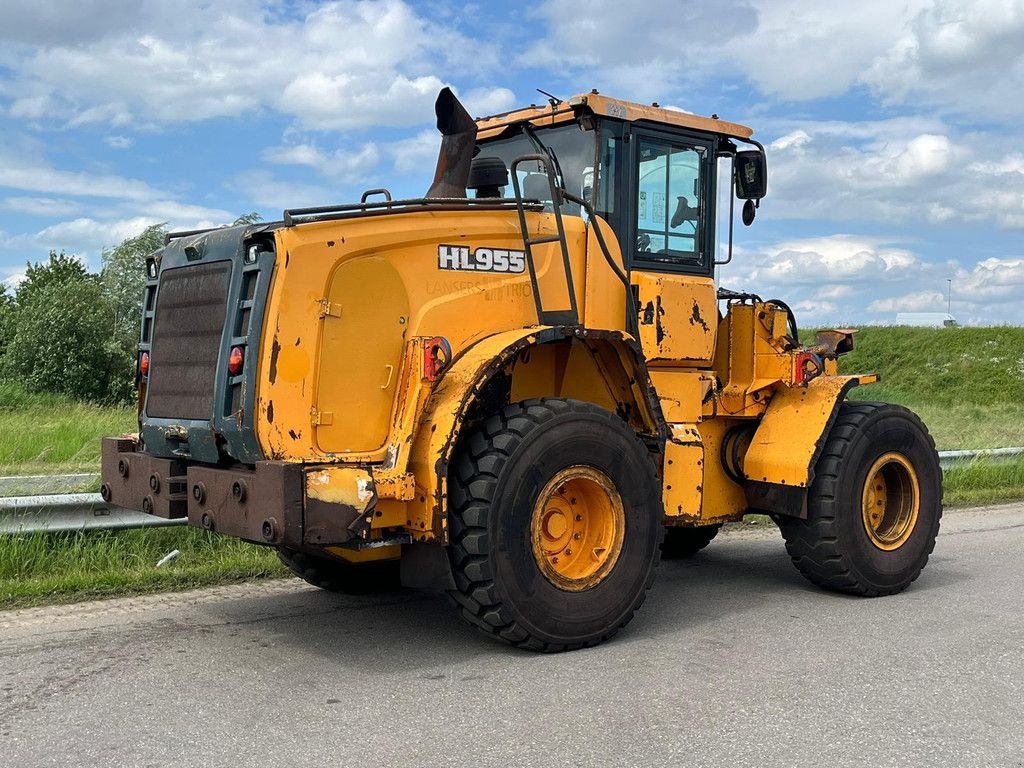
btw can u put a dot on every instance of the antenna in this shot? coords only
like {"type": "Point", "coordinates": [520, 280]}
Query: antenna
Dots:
{"type": "Point", "coordinates": [553, 100]}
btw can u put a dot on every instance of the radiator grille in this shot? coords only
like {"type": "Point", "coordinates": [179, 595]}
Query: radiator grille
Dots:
{"type": "Point", "coordinates": [190, 310]}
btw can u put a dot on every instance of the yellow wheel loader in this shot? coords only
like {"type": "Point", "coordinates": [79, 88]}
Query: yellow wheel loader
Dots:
{"type": "Point", "coordinates": [522, 389]}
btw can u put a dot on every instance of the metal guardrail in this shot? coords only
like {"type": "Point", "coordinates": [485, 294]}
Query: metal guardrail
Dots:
{"type": "Point", "coordinates": [68, 512]}
{"type": "Point", "coordinates": [949, 459]}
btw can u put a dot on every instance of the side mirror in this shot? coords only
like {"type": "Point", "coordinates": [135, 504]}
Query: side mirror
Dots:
{"type": "Point", "coordinates": [751, 172]}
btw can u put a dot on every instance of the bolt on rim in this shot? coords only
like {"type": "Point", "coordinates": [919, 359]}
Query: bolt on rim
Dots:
{"type": "Point", "coordinates": [891, 501]}
{"type": "Point", "coordinates": [577, 528]}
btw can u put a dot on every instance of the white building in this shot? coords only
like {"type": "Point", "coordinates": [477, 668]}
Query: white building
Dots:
{"type": "Point", "coordinates": [926, 319]}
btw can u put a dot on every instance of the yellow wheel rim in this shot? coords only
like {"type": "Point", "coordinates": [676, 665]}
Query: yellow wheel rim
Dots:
{"type": "Point", "coordinates": [891, 501]}
{"type": "Point", "coordinates": [577, 528]}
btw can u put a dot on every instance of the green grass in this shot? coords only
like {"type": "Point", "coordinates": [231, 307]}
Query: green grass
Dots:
{"type": "Point", "coordinates": [966, 383]}
{"type": "Point", "coordinates": [983, 482]}
{"type": "Point", "coordinates": [41, 569]}
{"type": "Point", "coordinates": [46, 434]}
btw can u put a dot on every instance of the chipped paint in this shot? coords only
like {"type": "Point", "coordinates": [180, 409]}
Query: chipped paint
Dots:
{"type": "Point", "coordinates": [364, 489]}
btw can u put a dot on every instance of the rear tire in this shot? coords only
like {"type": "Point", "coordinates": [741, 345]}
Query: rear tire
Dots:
{"type": "Point", "coordinates": [336, 575]}
{"type": "Point", "coordinates": [686, 542]}
{"type": "Point", "coordinates": [531, 483]}
{"type": "Point", "coordinates": [874, 507]}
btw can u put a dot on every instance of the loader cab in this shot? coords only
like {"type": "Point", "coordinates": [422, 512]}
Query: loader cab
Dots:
{"type": "Point", "coordinates": [655, 182]}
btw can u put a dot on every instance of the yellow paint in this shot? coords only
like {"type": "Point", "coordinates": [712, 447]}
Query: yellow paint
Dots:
{"type": "Point", "coordinates": [562, 370]}
{"type": "Point", "coordinates": [605, 106]}
{"type": "Point", "coordinates": [683, 473]}
{"type": "Point", "coordinates": [389, 514]}
{"type": "Point", "coordinates": [891, 501]}
{"type": "Point", "coordinates": [577, 528]}
{"type": "Point", "coordinates": [350, 486]}
{"type": "Point", "coordinates": [341, 379]}
{"type": "Point", "coordinates": [794, 424]}
{"type": "Point", "coordinates": [391, 552]}
{"type": "Point", "coordinates": [678, 318]}
{"type": "Point", "coordinates": [682, 393]}
{"type": "Point", "coordinates": [398, 276]}
{"type": "Point", "coordinates": [723, 498]}
{"type": "Point", "coordinates": [604, 305]}
{"type": "Point", "coordinates": [360, 347]}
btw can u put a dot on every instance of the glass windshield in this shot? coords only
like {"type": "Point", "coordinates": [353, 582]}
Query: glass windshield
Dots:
{"type": "Point", "coordinates": [574, 149]}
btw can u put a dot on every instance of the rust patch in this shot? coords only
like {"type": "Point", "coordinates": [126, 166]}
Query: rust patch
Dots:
{"type": "Point", "coordinates": [330, 243]}
{"type": "Point", "coordinates": [270, 411]}
{"type": "Point", "coordinates": [275, 350]}
{"type": "Point", "coordinates": [287, 258]}
{"type": "Point", "coordinates": [293, 435]}
{"type": "Point", "coordinates": [658, 326]}
{"type": "Point", "coordinates": [696, 319]}
{"type": "Point", "coordinates": [298, 341]}
{"type": "Point", "coordinates": [648, 318]}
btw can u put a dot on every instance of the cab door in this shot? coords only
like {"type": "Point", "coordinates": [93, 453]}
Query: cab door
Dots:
{"type": "Point", "coordinates": [671, 236]}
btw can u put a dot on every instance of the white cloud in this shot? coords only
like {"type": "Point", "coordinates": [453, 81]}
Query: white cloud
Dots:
{"type": "Point", "coordinates": [340, 65]}
{"type": "Point", "coordinates": [897, 171]}
{"type": "Point", "coordinates": [33, 175]}
{"type": "Point", "coordinates": [825, 261]}
{"type": "Point", "coordinates": [342, 164]}
{"type": "Point", "coordinates": [416, 154]}
{"type": "Point", "coordinates": [488, 101]}
{"type": "Point", "coordinates": [844, 278]}
{"type": "Point", "coordinates": [960, 55]}
{"type": "Point", "coordinates": [333, 102]}
{"type": "Point", "coordinates": [268, 191]}
{"type": "Point", "coordinates": [644, 51]}
{"type": "Point", "coordinates": [963, 57]}
{"type": "Point", "coordinates": [40, 206]}
{"type": "Point", "coordinates": [118, 142]}
{"type": "Point", "coordinates": [805, 50]}
{"type": "Point", "coordinates": [916, 301]}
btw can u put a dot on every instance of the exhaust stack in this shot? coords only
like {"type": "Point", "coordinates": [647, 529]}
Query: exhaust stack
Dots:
{"type": "Point", "coordinates": [458, 131]}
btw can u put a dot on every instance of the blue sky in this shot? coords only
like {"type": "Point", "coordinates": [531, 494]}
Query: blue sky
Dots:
{"type": "Point", "coordinates": [892, 127]}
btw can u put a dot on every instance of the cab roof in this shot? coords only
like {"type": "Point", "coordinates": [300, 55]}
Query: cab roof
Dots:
{"type": "Point", "coordinates": [597, 104]}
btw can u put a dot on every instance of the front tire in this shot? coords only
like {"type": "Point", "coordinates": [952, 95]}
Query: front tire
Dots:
{"type": "Point", "coordinates": [555, 523]}
{"type": "Point", "coordinates": [874, 507]}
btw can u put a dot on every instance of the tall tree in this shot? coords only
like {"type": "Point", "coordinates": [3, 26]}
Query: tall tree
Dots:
{"type": "Point", "coordinates": [6, 308]}
{"type": "Point", "coordinates": [123, 278]}
{"type": "Point", "coordinates": [248, 218]}
{"type": "Point", "coordinates": [59, 269]}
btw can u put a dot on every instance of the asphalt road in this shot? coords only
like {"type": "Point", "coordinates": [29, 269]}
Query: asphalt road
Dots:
{"type": "Point", "coordinates": [733, 661]}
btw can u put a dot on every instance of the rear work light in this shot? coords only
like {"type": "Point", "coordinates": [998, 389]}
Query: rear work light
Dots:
{"type": "Point", "coordinates": [236, 361]}
{"type": "Point", "coordinates": [144, 364]}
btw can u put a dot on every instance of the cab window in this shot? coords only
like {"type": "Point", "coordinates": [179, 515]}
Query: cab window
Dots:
{"type": "Point", "coordinates": [669, 207]}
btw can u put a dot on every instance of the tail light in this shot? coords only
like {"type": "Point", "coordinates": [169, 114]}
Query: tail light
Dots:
{"type": "Point", "coordinates": [808, 366]}
{"type": "Point", "coordinates": [236, 361]}
{"type": "Point", "coordinates": [437, 354]}
{"type": "Point", "coordinates": [144, 364]}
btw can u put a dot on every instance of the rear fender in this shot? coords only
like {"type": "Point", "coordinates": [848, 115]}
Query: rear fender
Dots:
{"type": "Point", "coordinates": [445, 415]}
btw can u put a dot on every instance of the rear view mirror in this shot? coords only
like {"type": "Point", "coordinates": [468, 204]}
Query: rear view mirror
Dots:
{"type": "Point", "coordinates": [751, 172]}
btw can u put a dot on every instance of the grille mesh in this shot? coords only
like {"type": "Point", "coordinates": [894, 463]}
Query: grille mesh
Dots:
{"type": "Point", "coordinates": [190, 311]}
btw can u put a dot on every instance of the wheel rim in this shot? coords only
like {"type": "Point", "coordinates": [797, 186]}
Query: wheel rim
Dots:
{"type": "Point", "coordinates": [577, 528]}
{"type": "Point", "coordinates": [891, 501]}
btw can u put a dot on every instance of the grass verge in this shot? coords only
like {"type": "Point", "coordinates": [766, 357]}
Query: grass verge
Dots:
{"type": "Point", "coordinates": [983, 482]}
{"type": "Point", "coordinates": [42, 569]}
{"type": "Point", "coordinates": [47, 434]}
